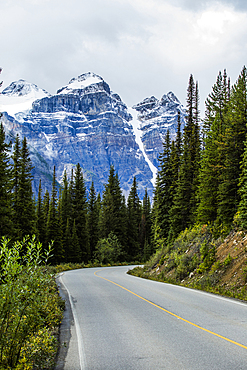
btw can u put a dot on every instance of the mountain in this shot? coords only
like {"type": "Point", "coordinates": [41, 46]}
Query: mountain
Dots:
{"type": "Point", "coordinates": [85, 122]}
{"type": "Point", "coordinates": [155, 117]}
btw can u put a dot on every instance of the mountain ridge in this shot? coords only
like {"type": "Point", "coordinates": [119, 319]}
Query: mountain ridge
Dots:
{"type": "Point", "coordinates": [85, 122]}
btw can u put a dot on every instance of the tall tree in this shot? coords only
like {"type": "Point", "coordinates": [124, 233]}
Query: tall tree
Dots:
{"type": "Point", "coordinates": [113, 213]}
{"type": "Point", "coordinates": [40, 217]}
{"type": "Point", "coordinates": [24, 208]}
{"type": "Point", "coordinates": [53, 227]}
{"type": "Point", "coordinates": [163, 194]}
{"type": "Point", "coordinates": [134, 220]}
{"type": "Point", "coordinates": [182, 213]}
{"type": "Point", "coordinates": [93, 220]}
{"type": "Point", "coordinates": [232, 150]}
{"type": "Point", "coordinates": [79, 213]}
{"type": "Point", "coordinates": [6, 225]}
{"type": "Point", "coordinates": [145, 227]}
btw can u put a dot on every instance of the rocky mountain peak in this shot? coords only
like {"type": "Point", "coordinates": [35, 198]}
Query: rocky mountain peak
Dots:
{"type": "Point", "coordinates": [22, 88]}
{"type": "Point", "coordinates": [84, 81]}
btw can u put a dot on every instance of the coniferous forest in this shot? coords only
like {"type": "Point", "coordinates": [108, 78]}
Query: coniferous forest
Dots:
{"type": "Point", "coordinates": [201, 179]}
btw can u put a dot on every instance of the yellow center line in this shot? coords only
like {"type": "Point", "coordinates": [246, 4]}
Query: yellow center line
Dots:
{"type": "Point", "coordinates": [173, 314]}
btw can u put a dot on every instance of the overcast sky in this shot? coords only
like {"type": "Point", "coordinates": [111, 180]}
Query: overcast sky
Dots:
{"type": "Point", "coordinates": [140, 47]}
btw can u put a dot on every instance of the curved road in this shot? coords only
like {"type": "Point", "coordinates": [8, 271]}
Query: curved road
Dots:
{"type": "Point", "coordinates": [121, 322]}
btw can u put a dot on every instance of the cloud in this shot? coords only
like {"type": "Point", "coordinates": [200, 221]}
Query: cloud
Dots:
{"type": "Point", "coordinates": [140, 47]}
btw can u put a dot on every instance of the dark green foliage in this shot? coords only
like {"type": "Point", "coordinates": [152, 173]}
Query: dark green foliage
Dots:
{"type": "Point", "coordinates": [53, 232]}
{"type": "Point", "coordinates": [113, 216]}
{"type": "Point", "coordinates": [134, 221]}
{"type": "Point", "coordinates": [40, 217]}
{"type": "Point", "coordinates": [108, 250]}
{"type": "Point", "coordinates": [6, 225]}
{"type": "Point", "coordinates": [23, 207]}
{"type": "Point", "coordinates": [93, 219]}
{"type": "Point", "coordinates": [184, 206]}
{"type": "Point", "coordinates": [145, 227]}
{"type": "Point", "coordinates": [79, 212]}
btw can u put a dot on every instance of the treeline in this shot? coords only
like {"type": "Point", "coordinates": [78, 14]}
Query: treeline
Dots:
{"type": "Point", "coordinates": [201, 179]}
{"type": "Point", "coordinates": [82, 227]}
{"type": "Point", "coordinates": [202, 174]}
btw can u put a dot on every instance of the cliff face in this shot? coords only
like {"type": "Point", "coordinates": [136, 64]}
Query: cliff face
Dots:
{"type": "Point", "coordinates": [156, 117]}
{"type": "Point", "coordinates": [86, 123]}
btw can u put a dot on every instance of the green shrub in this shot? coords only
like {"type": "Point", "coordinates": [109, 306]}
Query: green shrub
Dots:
{"type": "Point", "coordinates": [29, 306]}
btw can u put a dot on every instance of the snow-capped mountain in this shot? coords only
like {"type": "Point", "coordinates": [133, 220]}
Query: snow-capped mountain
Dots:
{"type": "Point", "coordinates": [154, 118]}
{"type": "Point", "coordinates": [86, 123]}
{"type": "Point", "coordinates": [19, 96]}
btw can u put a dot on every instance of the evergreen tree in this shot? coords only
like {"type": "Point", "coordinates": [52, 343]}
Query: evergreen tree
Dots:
{"type": "Point", "coordinates": [6, 225]}
{"type": "Point", "coordinates": [182, 213]}
{"type": "Point", "coordinates": [53, 227]}
{"type": "Point", "coordinates": [163, 196]}
{"type": "Point", "coordinates": [16, 180]}
{"type": "Point", "coordinates": [145, 227]}
{"type": "Point", "coordinates": [74, 248]}
{"type": "Point", "coordinates": [65, 214]}
{"type": "Point", "coordinates": [134, 220]}
{"type": "Point", "coordinates": [113, 212]}
{"type": "Point", "coordinates": [232, 150]}
{"type": "Point", "coordinates": [210, 172]}
{"type": "Point", "coordinates": [40, 217]}
{"type": "Point", "coordinates": [79, 212]}
{"type": "Point", "coordinates": [24, 208]}
{"type": "Point", "coordinates": [93, 220]}
{"type": "Point", "coordinates": [242, 207]}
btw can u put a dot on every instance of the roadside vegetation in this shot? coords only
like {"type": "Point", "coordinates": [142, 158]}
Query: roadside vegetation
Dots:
{"type": "Point", "coordinates": [30, 307]}
{"type": "Point", "coordinates": [197, 259]}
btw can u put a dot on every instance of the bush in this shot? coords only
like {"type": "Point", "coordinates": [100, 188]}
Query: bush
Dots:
{"type": "Point", "coordinates": [29, 307]}
{"type": "Point", "coordinates": [108, 250]}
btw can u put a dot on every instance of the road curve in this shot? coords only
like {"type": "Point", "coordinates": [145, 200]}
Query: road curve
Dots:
{"type": "Point", "coordinates": [121, 322]}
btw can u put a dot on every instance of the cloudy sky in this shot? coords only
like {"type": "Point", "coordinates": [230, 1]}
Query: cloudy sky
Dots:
{"type": "Point", "coordinates": [140, 47]}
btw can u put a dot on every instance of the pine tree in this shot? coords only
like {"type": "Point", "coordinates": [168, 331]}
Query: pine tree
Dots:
{"type": "Point", "coordinates": [15, 186]}
{"type": "Point", "coordinates": [93, 220]}
{"type": "Point", "coordinates": [242, 207]}
{"type": "Point", "coordinates": [74, 248]}
{"type": "Point", "coordinates": [134, 220]}
{"type": "Point", "coordinates": [65, 214]}
{"type": "Point", "coordinates": [79, 212]}
{"type": "Point", "coordinates": [209, 177]}
{"type": "Point", "coordinates": [163, 196]}
{"type": "Point", "coordinates": [6, 225]}
{"type": "Point", "coordinates": [184, 206]}
{"type": "Point", "coordinates": [113, 216]}
{"type": "Point", "coordinates": [232, 150]}
{"type": "Point", "coordinates": [40, 217]}
{"type": "Point", "coordinates": [24, 208]}
{"type": "Point", "coordinates": [145, 227]}
{"type": "Point", "coordinates": [52, 229]}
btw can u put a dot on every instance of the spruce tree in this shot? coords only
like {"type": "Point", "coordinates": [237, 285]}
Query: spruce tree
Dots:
{"type": "Point", "coordinates": [40, 217]}
{"type": "Point", "coordinates": [232, 150]}
{"type": "Point", "coordinates": [134, 220]}
{"type": "Point", "coordinates": [23, 207]}
{"type": "Point", "coordinates": [79, 212]}
{"type": "Point", "coordinates": [6, 225]}
{"type": "Point", "coordinates": [53, 227]}
{"type": "Point", "coordinates": [93, 220]}
{"type": "Point", "coordinates": [182, 213]}
{"type": "Point", "coordinates": [113, 216]}
{"type": "Point", "coordinates": [145, 227]}
{"type": "Point", "coordinates": [163, 196]}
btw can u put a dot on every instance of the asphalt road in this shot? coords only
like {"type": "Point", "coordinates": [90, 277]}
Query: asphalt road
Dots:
{"type": "Point", "coordinates": [121, 322]}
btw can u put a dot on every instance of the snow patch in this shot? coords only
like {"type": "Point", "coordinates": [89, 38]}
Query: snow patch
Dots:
{"type": "Point", "coordinates": [137, 131]}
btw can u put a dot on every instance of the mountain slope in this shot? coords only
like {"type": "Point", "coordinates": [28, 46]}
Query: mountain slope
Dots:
{"type": "Point", "coordinates": [86, 123]}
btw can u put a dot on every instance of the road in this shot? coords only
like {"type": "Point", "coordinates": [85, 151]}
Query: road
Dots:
{"type": "Point", "coordinates": [121, 322]}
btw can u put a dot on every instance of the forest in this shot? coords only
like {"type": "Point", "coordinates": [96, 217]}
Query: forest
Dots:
{"type": "Point", "coordinates": [201, 181]}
